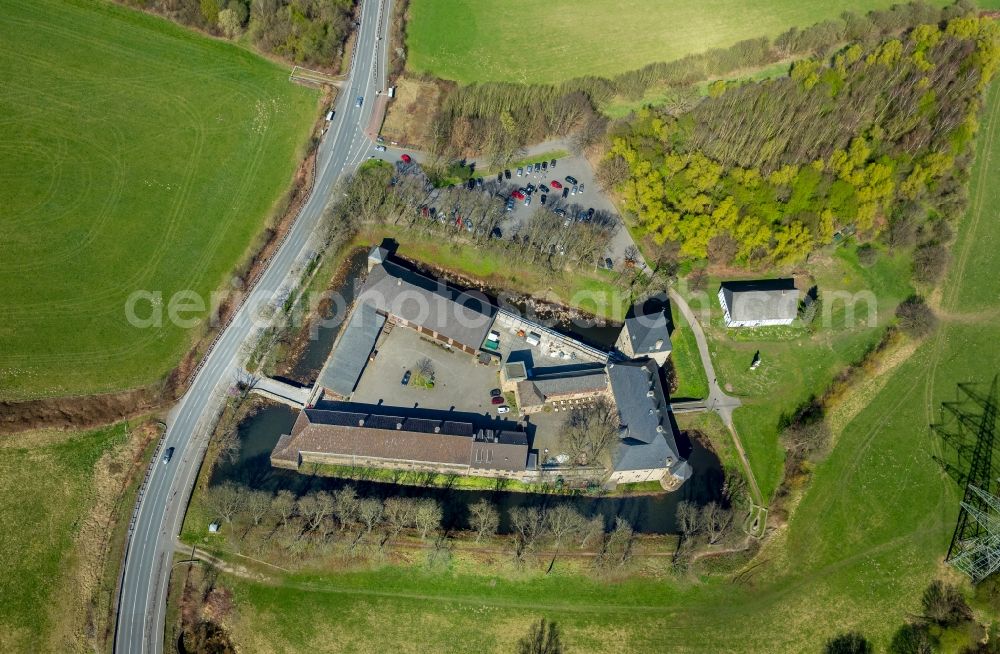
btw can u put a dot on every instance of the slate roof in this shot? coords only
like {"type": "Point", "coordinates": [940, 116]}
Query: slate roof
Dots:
{"type": "Point", "coordinates": [350, 356]}
{"type": "Point", "coordinates": [430, 303]}
{"type": "Point", "coordinates": [346, 433]}
{"type": "Point", "coordinates": [568, 384]}
{"type": "Point", "coordinates": [529, 395]}
{"type": "Point", "coordinates": [759, 300]}
{"type": "Point", "coordinates": [500, 450]}
{"type": "Point", "coordinates": [647, 433]}
{"type": "Point", "coordinates": [646, 331]}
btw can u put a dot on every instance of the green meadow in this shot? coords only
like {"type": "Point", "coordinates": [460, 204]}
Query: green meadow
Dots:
{"type": "Point", "coordinates": [867, 537]}
{"type": "Point", "coordinates": [523, 41]}
{"type": "Point", "coordinates": [135, 155]}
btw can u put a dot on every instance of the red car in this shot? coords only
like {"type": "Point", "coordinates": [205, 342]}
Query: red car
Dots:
{"type": "Point", "coordinates": [498, 400]}
{"type": "Point", "coordinates": [556, 184]}
{"type": "Point", "coordinates": [406, 158]}
{"type": "Point", "coordinates": [518, 195]}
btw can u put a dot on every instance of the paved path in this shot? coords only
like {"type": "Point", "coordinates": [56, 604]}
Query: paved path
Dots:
{"type": "Point", "coordinates": [294, 396]}
{"type": "Point", "coordinates": [160, 510]}
{"type": "Point", "coordinates": [717, 400]}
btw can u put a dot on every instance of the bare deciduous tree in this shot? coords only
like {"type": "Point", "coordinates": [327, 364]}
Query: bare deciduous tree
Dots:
{"type": "Point", "coordinates": [484, 518]}
{"type": "Point", "coordinates": [370, 512]}
{"type": "Point", "coordinates": [715, 521]}
{"type": "Point", "coordinates": [589, 432]}
{"type": "Point", "coordinates": [687, 519]}
{"type": "Point", "coordinates": [618, 544]}
{"type": "Point", "coordinates": [258, 505]}
{"type": "Point", "coordinates": [345, 506]}
{"type": "Point", "coordinates": [528, 527]}
{"type": "Point", "coordinates": [428, 516]}
{"type": "Point", "coordinates": [283, 505]}
{"type": "Point", "coordinates": [563, 522]}
{"type": "Point", "coordinates": [226, 500]}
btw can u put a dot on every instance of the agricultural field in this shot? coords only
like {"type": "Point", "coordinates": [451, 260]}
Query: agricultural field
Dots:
{"type": "Point", "coordinates": [134, 155]}
{"type": "Point", "coordinates": [868, 536]}
{"type": "Point", "coordinates": [470, 41]}
{"type": "Point", "coordinates": [63, 499]}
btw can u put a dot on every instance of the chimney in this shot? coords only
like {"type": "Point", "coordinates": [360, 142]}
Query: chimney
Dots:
{"type": "Point", "coordinates": [361, 423]}
{"type": "Point", "coordinates": [437, 429]}
{"type": "Point", "coordinates": [659, 428]}
{"type": "Point", "coordinates": [399, 425]}
{"type": "Point", "coordinates": [650, 393]}
{"type": "Point", "coordinates": [399, 281]}
{"type": "Point", "coordinates": [659, 343]}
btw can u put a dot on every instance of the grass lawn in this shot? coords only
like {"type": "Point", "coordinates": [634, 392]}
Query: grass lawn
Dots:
{"type": "Point", "coordinates": [134, 155]}
{"type": "Point", "coordinates": [866, 539]}
{"type": "Point", "coordinates": [55, 489]}
{"type": "Point", "coordinates": [590, 290]}
{"type": "Point", "coordinates": [473, 41]}
{"type": "Point", "coordinates": [797, 363]}
{"type": "Point", "coordinates": [691, 380]}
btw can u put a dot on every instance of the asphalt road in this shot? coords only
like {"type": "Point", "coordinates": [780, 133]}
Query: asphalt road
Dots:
{"type": "Point", "coordinates": [148, 557]}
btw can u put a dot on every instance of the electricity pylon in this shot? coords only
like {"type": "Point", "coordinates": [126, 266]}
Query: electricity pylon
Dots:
{"type": "Point", "coordinates": [968, 426]}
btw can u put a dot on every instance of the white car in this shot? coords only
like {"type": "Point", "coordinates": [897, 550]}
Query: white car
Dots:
{"type": "Point", "coordinates": [503, 409]}
{"type": "Point", "coordinates": [379, 148]}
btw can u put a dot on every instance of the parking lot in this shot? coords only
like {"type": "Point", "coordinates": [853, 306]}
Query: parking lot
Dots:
{"type": "Point", "coordinates": [576, 206]}
{"type": "Point", "coordinates": [460, 384]}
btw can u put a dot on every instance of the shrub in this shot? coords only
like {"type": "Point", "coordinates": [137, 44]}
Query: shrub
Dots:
{"type": "Point", "coordinates": [915, 318]}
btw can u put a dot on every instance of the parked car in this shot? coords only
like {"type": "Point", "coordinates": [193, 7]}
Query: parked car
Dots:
{"type": "Point", "coordinates": [608, 263]}
{"type": "Point", "coordinates": [571, 179]}
{"type": "Point", "coordinates": [506, 173]}
{"type": "Point", "coordinates": [503, 409]}
{"type": "Point", "coordinates": [520, 171]}
{"type": "Point", "coordinates": [469, 225]}
{"type": "Point", "coordinates": [471, 184]}
{"type": "Point", "coordinates": [565, 192]}
{"type": "Point", "coordinates": [497, 400]}
{"type": "Point", "coordinates": [573, 192]}
{"type": "Point", "coordinates": [543, 198]}
{"type": "Point", "coordinates": [560, 212]}
{"type": "Point", "coordinates": [510, 204]}
{"type": "Point", "coordinates": [538, 167]}
{"type": "Point", "coordinates": [379, 139]}
{"type": "Point", "coordinates": [479, 182]}
{"type": "Point", "coordinates": [552, 164]}
{"type": "Point", "coordinates": [496, 392]}
{"type": "Point", "coordinates": [406, 158]}
{"type": "Point", "coordinates": [406, 378]}
{"type": "Point", "coordinates": [545, 165]}
{"type": "Point", "coordinates": [379, 148]}
{"type": "Point", "coordinates": [499, 177]}
{"type": "Point", "coordinates": [359, 102]}
{"type": "Point", "coordinates": [556, 184]}
{"type": "Point", "coordinates": [531, 188]}
{"type": "Point", "coordinates": [590, 213]}
{"type": "Point", "coordinates": [496, 233]}
{"type": "Point", "coordinates": [167, 455]}
{"type": "Point", "coordinates": [567, 222]}
{"type": "Point", "coordinates": [527, 201]}
{"type": "Point", "coordinates": [581, 187]}
{"type": "Point", "coordinates": [517, 194]}
{"type": "Point", "coordinates": [543, 188]}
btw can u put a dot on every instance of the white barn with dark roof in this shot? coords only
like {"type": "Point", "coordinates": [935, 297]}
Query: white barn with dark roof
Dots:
{"type": "Point", "coordinates": [759, 303]}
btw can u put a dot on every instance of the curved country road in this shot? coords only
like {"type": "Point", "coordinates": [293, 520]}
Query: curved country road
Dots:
{"type": "Point", "coordinates": [160, 510]}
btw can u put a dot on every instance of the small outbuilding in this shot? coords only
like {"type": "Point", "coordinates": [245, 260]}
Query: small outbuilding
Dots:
{"type": "Point", "coordinates": [759, 303]}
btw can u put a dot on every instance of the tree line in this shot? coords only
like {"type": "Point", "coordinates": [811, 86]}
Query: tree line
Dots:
{"type": "Point", "coordinates": [261, 521]}
{"type": "Point", "coordinates": [380, 194]}
{"type": "Point", "coordinates": [876, 139]}
{"type": "Point", "coordinates": [499, 117]}
{"type": "Point", "coordinates": [309, 32]}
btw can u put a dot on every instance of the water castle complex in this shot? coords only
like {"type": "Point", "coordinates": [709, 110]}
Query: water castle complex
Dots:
{"type": "Point", "coordinates": [362, 418]}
